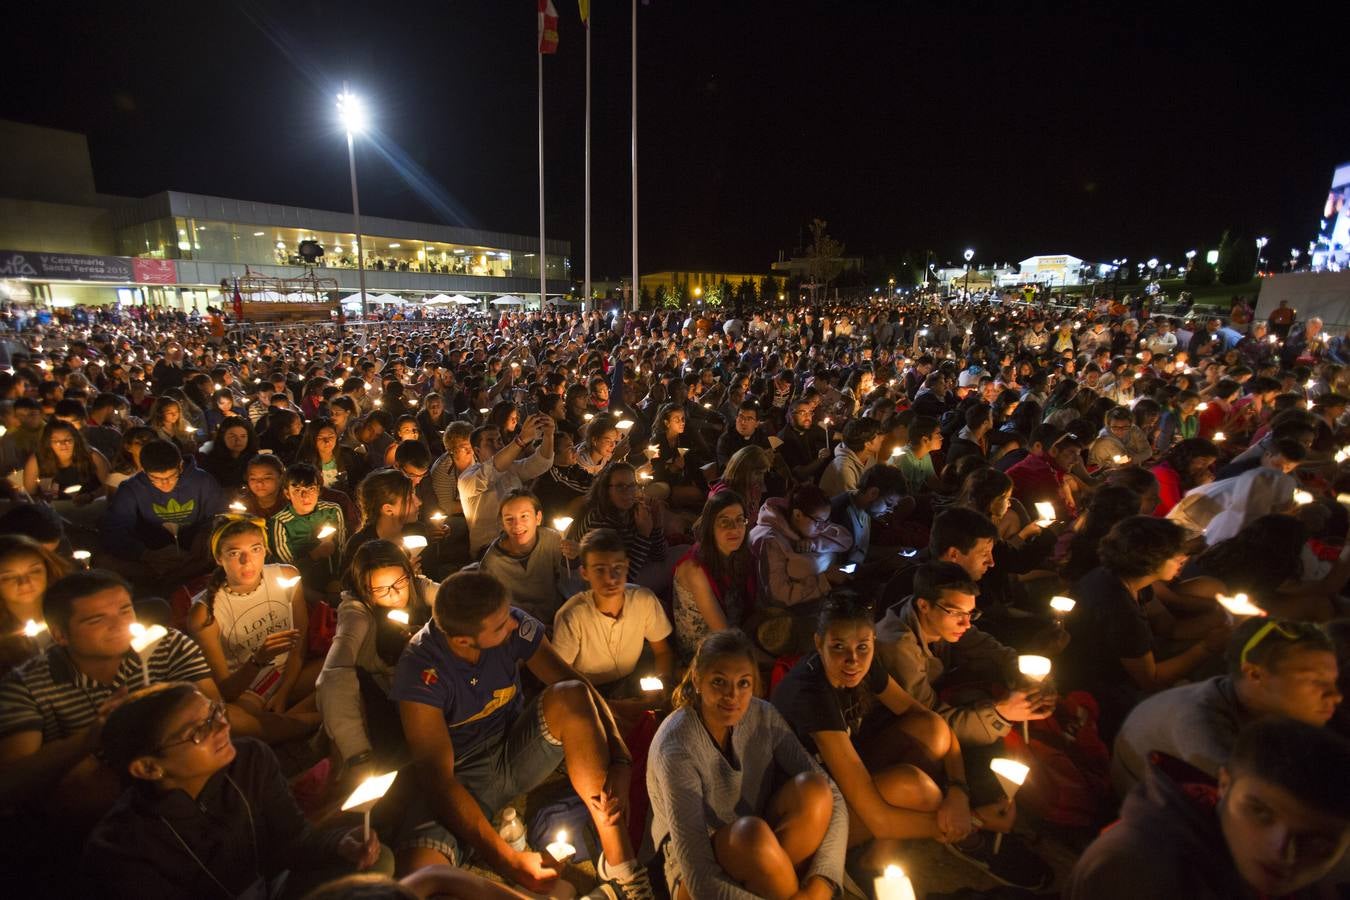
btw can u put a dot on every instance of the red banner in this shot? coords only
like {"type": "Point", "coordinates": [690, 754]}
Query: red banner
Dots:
{"type": "Point", "coordinates": [154, 271]}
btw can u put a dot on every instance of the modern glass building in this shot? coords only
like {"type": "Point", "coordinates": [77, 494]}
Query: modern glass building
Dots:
{"type": "Point", "coordinates": [176, 248]}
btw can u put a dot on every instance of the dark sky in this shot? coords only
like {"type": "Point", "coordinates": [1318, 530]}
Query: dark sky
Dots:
{"type": "Point", "coordinates": [907, 125]}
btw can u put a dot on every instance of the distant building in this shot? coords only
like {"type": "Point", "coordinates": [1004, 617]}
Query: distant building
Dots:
{"type": "Point", "coordinates": [64, 243]}
{"type": "Point", "coordinates": [1058, 270]}
{"type": "Point", "coordinates": [695, 284]}
{"type": "Point", "coordinates": [800, 266]}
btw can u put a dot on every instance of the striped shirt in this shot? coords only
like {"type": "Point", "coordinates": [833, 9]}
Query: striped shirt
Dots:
{"type": "Point", "coordinates": [48, 694]}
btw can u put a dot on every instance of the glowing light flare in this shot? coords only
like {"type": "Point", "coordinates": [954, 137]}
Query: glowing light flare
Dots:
{"type": "Point", "coordinates": [1035, 668]}
{"type": "Point", "coordinates": [1062, 605]}
{"type": "Point", "coordinates": [1239, 605]}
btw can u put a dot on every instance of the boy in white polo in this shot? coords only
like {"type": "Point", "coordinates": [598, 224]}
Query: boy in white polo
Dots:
{"type": "Point", "coordinates": [601, 632]}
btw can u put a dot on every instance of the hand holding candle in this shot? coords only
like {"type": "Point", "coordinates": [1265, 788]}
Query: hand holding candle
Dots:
{"type": "Point", "coordinates": [1046, 513]}
{"type": "Point", "coordinates": [366, 795]}
{"type": "Point", "coordinates": [1035, 669]}
{"type": "Point", "coordinates": [559, 849]}
{"type": "Point", "coordinates": [1011, 774]}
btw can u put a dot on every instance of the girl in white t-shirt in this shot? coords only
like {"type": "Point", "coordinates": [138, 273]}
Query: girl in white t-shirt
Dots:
{"type": "Point", "coordinates": [250, 622]}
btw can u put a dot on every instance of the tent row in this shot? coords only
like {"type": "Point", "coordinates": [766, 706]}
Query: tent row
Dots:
{"type": "Point", "coordinates": [354, 300]}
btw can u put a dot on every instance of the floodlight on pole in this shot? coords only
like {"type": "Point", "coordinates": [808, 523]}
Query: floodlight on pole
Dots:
{"type": "Point", "coordinates": [970, 254]}
{"type": "Point", "coordinates": [352, 114]}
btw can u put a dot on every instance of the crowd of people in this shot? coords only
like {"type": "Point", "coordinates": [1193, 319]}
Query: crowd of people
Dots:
{"type": "Point", "coordinates": [732, 603]}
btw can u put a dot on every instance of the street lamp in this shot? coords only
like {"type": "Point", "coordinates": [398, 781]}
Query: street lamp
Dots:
{"type": "Point", "coordinates": [352, 114]}
{"type": "Point", "coordinates": [970, 254]}
{"type": "Point", "coordinates": [1294, 254]}
{"type": "Point", "coordinates": [1260, 246]}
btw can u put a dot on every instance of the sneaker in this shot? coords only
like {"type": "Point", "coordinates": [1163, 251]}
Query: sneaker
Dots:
{"type": "Point", "coordinates": [1014, 865]}
{"type": "Point", "coordinates": [639, 887]}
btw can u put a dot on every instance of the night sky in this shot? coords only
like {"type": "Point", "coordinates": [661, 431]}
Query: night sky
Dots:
{"type": "Point", "coordinates": [907, 125]}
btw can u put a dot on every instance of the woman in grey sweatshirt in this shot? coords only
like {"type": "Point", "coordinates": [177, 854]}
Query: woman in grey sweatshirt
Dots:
{"type": "Point", "coordinates": [353, 687]}
{"type": "Point", "coordinates": [710, 777]}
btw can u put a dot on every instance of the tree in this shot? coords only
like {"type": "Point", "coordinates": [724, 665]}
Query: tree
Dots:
{"type": "Point", "coordinates": [745, 294]}
{"type": "Point", "coordinates": [645, 299]}
{"type": "Point", "coordinates": [768, 290]}
{"type": "Point", "coordinates": [1237, 258]}
{"type": "Point", "coordinates": [675, 296]}
{"type": "Point", "coordinates": [1200, 273]}
{"type": "Point", "coordinates": [660, 297]}
{"type": "Point", "coordinates": [824, 257]}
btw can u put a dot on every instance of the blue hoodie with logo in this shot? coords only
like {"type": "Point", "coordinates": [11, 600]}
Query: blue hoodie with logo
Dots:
{"type": "Point", "coordinates": [139, 511]}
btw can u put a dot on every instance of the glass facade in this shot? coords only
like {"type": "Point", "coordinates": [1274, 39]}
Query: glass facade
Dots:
{"type": "Point", "coordinates": [229, 242]}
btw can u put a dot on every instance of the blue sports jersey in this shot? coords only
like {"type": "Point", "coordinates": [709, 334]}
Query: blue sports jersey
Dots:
{"type": "Point", "coordinates": [479, 701]}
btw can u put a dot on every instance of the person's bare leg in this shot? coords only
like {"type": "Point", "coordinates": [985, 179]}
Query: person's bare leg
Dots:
{"type": "Point", "coordinates": [922, 741]}
{"type": "Point", "coordinates": [749, 852]}
{"type": "Point", "coordinates": [800, 815]}
{"type": "Point", "coordinates": [913, 798]}
{"type": "Point", "coordinates": [572, 717]}
{"type": "Point", "coordinates": [248, 718]}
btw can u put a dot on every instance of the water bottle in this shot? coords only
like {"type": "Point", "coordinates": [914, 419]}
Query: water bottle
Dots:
{"type": "Point", "coordinates": [512, 830]}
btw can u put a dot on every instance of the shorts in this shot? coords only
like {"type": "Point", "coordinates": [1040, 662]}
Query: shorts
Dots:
{"type": "Point", "coordinates": [494, 772]}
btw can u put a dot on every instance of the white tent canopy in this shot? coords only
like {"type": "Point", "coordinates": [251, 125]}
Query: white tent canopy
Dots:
{"type": "Point", "coordinates": [461, 300]}
{"type": "Point", "coordinates": [355, 299]}
{"type": "Point", "coordinates": [389, 299]}
{"type": "Point", "coordinates": [439, 300]}
{"type": "Point", "coordinates": [509, 300]}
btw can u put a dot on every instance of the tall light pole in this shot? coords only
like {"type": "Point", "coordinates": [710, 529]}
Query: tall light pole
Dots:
{"type": "Point", "coordinates": [970, 254]}
{"type": "Point", "coordinates": [352, 114]}
{"type": "Point", "coordinates": [1260, 247]}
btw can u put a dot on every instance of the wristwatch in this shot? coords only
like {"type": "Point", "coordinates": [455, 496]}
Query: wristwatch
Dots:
{"type": "Point", "coordinates": [358, 759]}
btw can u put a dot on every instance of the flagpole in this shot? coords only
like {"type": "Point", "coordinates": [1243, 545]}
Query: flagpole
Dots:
{"type": "Point", "coordinates": [634, 151]}
{"type": "Point", "coordinates": [543, 257]}
{"type": "Point", "coordinates": [586, 285]}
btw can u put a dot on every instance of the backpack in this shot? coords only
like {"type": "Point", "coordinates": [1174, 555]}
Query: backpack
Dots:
{"type": "Point", "coordinates": [1069, 783]}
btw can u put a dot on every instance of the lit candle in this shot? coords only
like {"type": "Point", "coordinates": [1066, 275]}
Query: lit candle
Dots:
{"type": "Point", "coordinates": [559, 849]}
{"type": "Point", "coordinates": [326, 532]}
{"type": "Point", "coordinates": [849, 568]}
{"type": "Point", "coordinates": [289, 583]}
{"type": "Point", "coordinates": [33, 628]}
{"type": "Point", "coordinates": [1062, 605]}
{"type": "Point", "coordinates": [437, 517]}
{"type": "Point", "coordinates": [366, 795]}
{"type": "Point", "coordinates": [586, 417]}
{"type": "Point", "coordinates": [1035, 668]}
{"type": "Point", "coordinates": [1239, 605]}
{"type": "Point", "coordinates": [1046, 511]}
{"type": "Point", "coordinates": [624, 424]}
{"type": "Point", "coordinates": [1201, 407]}
{"type": "Point", "coordinates": [73, 489]}
{"type": "Point", "coordinates": [775, 442]}
{"type": "Point", "coordinates": [400, 616]}
{"type": "Point", "coordinates": [682, 451]}
{"type": "Point", "coordinates": [143, 641]}
{"type": "Point", "coordinates": [1302, 498]}
{"type": "Point", "coordinates": [1120, 459]}
{"type": "Point", "coordinates": [651, 683]}
{"type": "Point", "coordinates": [893, 884]}
{"type": "Point", "coordinates": [483, 410]}
{"type": "Point", "coordinates": [652, 451]}
{"type": "Point", "coordinates": [562, 523]}
{"type": "Point", "coordinates": [1219, 437]}
{"type": "Point", "coordinates": [895, 451]}
{"type": "Point", "coordinates": [1342, 454]}
{"type": "Point", "coordinates": [82, 557]}
{"type": "Point", "coordinates": [1011, 774]}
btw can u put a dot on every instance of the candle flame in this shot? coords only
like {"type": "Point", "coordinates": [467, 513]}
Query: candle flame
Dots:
{"type": "Point", "coordinates": [370, 790]}
{"type": "Point", "coordinates": [33, 628]}
{"type": "Point", "coordinates": [399, 615]}
{"type": "Point", "coordinates": [1062, 604]}
{"type": "Point", "coordinates": [1239, 605]}
{"type": "Point", "coordinates": [1034, 667]}
{"type": "Point", "coordinates": [326, 531]}
{"type": "Point", "coordinates": [1010, 769]}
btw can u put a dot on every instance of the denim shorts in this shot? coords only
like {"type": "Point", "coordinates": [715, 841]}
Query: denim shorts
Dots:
{"type": "Point", "coordinates": [495, 772]}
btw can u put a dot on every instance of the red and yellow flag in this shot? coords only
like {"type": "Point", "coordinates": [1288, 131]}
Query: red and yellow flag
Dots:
{"type": "Point", "coordinates": [548, 27]}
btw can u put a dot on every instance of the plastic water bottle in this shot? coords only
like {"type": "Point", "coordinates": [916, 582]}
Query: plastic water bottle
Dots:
{"type": "Point", "coordinates": [512, 829]}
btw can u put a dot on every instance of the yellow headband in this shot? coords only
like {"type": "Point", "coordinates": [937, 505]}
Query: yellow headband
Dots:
{"type": "Point", "coordinates": [225, 520]}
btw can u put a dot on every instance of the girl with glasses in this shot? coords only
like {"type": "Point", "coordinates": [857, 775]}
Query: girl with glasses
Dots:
{"type": "Point", "coordinates": [64, 461]}
{"type": "Point", "coordinates": [715, 582]}
{"type": "Point", "coordinates": [204, 815]}
{"type": "Point", "coordinates": [384, 602]}
{"type": "Point", "coordinates": [250, 622]}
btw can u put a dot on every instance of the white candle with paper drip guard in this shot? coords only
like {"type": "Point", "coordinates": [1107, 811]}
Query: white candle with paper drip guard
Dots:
{"type": "Point", "coordinates": [143, 641]}
{"type": "Point", "coordinates": [624, 424]}
{"type": "Point", "coordinates": [896, 451]}
{"type": "Point", "coordinates": [1120, 459]}
{"type": "Point", "coordinates": [652, 451]}
{"type": "Point", "coordinates": [1036, 669]}
{"type": "Point", "coordinates": [775, 442]}
{"type": "Point", "coordinates": [586, 417]}
{"type": "Point", "coordinates": [399, 616]}
{"type": "Point", "coordinates": [1342, 454]}
{"type": "Point", "coordinates": [366, 795]}
{"type": "Point", "coordinates": [82, 557]}
{"type": "Point", "coordinates": [1239, 605]}
{"type": "Point", "coordinates": [414, 544]}
{"type": "Point", "coordinates": [1219, 437]}
{"type": "Point", "coordinates": [326, 532]}
{"type": "Point", "coordinates": [1061, 607]}
{"type": "Point", "coordinates": [893, 884]}
{"type": "Point", "coordinates": [651, 683]}
{"type": "Point", "coordinates": [238, 507]}
{"type": "Point", "coordinates": [289, 583]}
{"type": "Point", "coordinates": [560, 525]}
{"type": "Point", "coordinates": [1011, 774]}
{"type": "Point", "coordinates": [560, 849]}
{"type": "Point", "coordinates": [1201, 407]}
{"type": "Point", "coordinates": [73, 490]}
{"type": "Point", "coordinates": [436, 518]}
{"type": "Point", "coordinates": [32, 628]}
{"type": "Point", "coordinates": [1302, 498]}
{"type": "Point", "coordinates": [1045, 512]}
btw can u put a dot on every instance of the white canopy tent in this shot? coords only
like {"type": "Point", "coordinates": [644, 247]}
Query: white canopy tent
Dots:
{"type": "Point", "coordinates": [509, 300]}
{"type": "Point", "coordinates": [388, 299]}
{"type": "Point", "coordinates": [439, 300]}
{"type": "Point", "coordinates": [355, 299]}
{"type": "Point", "coordinates": [461, 300]}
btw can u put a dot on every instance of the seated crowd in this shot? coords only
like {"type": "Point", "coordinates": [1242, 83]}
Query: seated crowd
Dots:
{"type": "Point", "coordinates": [731, 609]}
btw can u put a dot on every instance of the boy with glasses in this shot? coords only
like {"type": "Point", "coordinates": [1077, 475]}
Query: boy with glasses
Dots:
{"type": "Point", "coordinates": [294, 532]}
{"type": "Point", "coordinates": [932, 633]}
